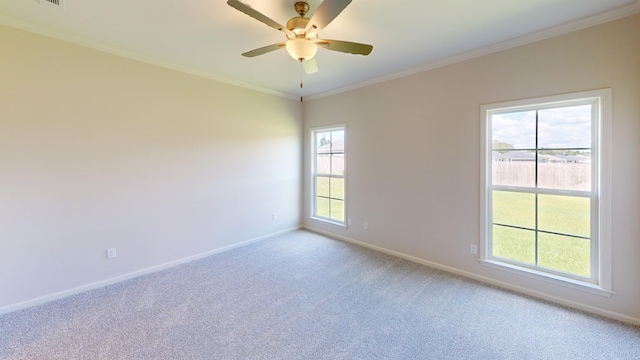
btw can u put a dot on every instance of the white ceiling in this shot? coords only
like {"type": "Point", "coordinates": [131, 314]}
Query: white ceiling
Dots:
{"type": "Point", "coordinates": [206, 37]}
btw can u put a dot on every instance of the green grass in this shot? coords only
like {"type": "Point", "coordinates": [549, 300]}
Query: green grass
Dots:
{"type": "Point", "coordinates": [333, 188]}
{"type": "Point", "coordinates": [560, 214]}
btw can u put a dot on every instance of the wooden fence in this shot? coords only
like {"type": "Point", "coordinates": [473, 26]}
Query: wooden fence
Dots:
{"type": "Point", "coordinates": [568, 176]}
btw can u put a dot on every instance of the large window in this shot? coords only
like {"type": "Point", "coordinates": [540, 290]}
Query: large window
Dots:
{"type": "Point", "coordinates": [545, 187]}
{"type": "Point", "coordinates": [329, 174]}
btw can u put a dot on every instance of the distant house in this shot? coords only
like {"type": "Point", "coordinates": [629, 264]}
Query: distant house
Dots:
{"type": "Point", "coordinates": [576, 159]}
{"type": "Point", "coordinates": [521, 155]}
{"type": "Point", "coordinates": [508, 156]}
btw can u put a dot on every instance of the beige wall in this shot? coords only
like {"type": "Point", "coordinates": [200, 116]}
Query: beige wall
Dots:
{"type": "Point", "coordinates": [98, 151]}
{"type": "Point", "coordinates": [413, 161]}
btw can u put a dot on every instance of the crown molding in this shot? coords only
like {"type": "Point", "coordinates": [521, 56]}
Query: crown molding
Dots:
{"type": "Point", "coordinates": [615, 14]}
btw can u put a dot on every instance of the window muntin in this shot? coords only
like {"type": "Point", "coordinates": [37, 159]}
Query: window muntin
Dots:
{"type": "Point", "coordinates": [542, 195]}
{"type": "Point", "coordinates": [544, 231]}
{"type": "Point", "coordinates": [329, 174]}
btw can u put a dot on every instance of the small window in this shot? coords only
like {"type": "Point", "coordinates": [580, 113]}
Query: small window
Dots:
{"type": "Point", "coordinates": [545, 187]}
{"type": "Point", "coordinates": [329, 174]}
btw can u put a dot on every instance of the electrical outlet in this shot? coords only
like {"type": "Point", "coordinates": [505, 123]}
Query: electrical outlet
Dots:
{"type": "Point", "coordinates": [473, 248]}
{"type": "Point", "coordinates": [365, 225]}
{"type": "Point", "coordinates": [274, 216]}
{"type": "Point", "coordinates": [349, 222]}
{"type": "Point", "coordinates": [111, 253]}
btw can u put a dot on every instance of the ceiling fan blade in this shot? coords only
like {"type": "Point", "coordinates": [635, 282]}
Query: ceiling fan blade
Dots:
{"type": "Point", "coordinates": [263, 50]}
{"type": "Point", "coordinates": [310, 66]}
{"type": "Point", "coordinates": [247, 9]}
{"type": "Point", "coordinates": [324, 14]}
{"type": "Point", "coordinates": [345, 46]}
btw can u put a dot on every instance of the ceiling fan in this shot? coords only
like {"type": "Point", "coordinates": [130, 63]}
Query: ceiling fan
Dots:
{"type": "Point", "coordinates": [302, 33]}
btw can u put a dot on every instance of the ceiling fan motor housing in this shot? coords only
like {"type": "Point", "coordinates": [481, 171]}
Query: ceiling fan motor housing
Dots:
{"type": "Point", "coordinates": [297, 25]}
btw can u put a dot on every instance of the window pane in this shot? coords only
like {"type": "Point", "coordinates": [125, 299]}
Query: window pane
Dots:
{"type": "Point", "coordinates": [565, 170]}
{"type": "Point", "coordinates": [337, 188]}
{"type": "Point", "coordinates": [322, 186]}
{"type": "Point", "coordinates": [512, 173]}
{"type": "Point", "coordinates": [515, 130]}
{"type": "Point", "coordinates": [514, 244]}
{"type": "Point", "coordinates": [337, 141]}
{"type": "Point", "coordinates": [323, 164]}
{"type": "Point", "coordinates": [337, 210]}
{"type": "Point", "coordinates": [337, 164]}
{"type": "Point", "coordinates": [329, 172]}
{"type": "Point", "coordinates": [564, 253]}
{"type": "Point", "coordinates": [322, 207]}
{"type": "Point", "coordinates": [564, 214]}
{"type": "Point", "coordinates": [514, 208]}
{"type": "Point", "coordinates": [565, 127]}
{"type": "Point", "coordinates": [323, 142]}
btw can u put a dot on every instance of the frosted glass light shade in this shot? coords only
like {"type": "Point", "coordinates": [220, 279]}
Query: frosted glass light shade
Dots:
{"type": "Point", "coordinates": [301, 49]}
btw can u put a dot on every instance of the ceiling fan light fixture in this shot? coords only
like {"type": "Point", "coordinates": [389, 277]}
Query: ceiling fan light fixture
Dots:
{"type": "Point", "coordinates": [301, 49]}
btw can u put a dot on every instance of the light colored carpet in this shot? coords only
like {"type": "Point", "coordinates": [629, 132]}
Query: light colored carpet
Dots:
{"type": "Point", "coordinates": [304, 296]}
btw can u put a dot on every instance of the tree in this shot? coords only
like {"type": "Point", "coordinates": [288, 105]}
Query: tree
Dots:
{"type": "Point", "coordinates": [501, 145]}
{"type": "Point", "coordinates": [324, 142]}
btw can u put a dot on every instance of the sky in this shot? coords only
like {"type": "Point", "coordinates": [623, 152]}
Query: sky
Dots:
{"type": "Point", "coordinates": [564, 127]}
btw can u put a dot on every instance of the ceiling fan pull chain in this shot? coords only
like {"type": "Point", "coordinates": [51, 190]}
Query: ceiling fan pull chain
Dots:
{"type": "Point", "coordinates": [301, 80]}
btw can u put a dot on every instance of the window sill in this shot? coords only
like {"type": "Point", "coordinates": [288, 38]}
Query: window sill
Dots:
{"type": "Point", "coordinates": [549, 278]}
{"type": "Point", "coordinates": [328, 221]}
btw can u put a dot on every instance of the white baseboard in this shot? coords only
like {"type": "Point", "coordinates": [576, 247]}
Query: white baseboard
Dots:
{"type": "Point", "coordinates": [102, 283]}
{"type": "Point", "coordinates": [486, 280]}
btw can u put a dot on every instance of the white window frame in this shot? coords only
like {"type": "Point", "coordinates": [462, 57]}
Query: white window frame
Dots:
{"type": "Point", "coordinates": [313, 131]}
{"type": "Point", "coordinates": [600, 282]}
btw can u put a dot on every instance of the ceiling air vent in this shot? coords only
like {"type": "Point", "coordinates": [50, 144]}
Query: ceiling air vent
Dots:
{"type": "Point", "coordinates": [56, 4]}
